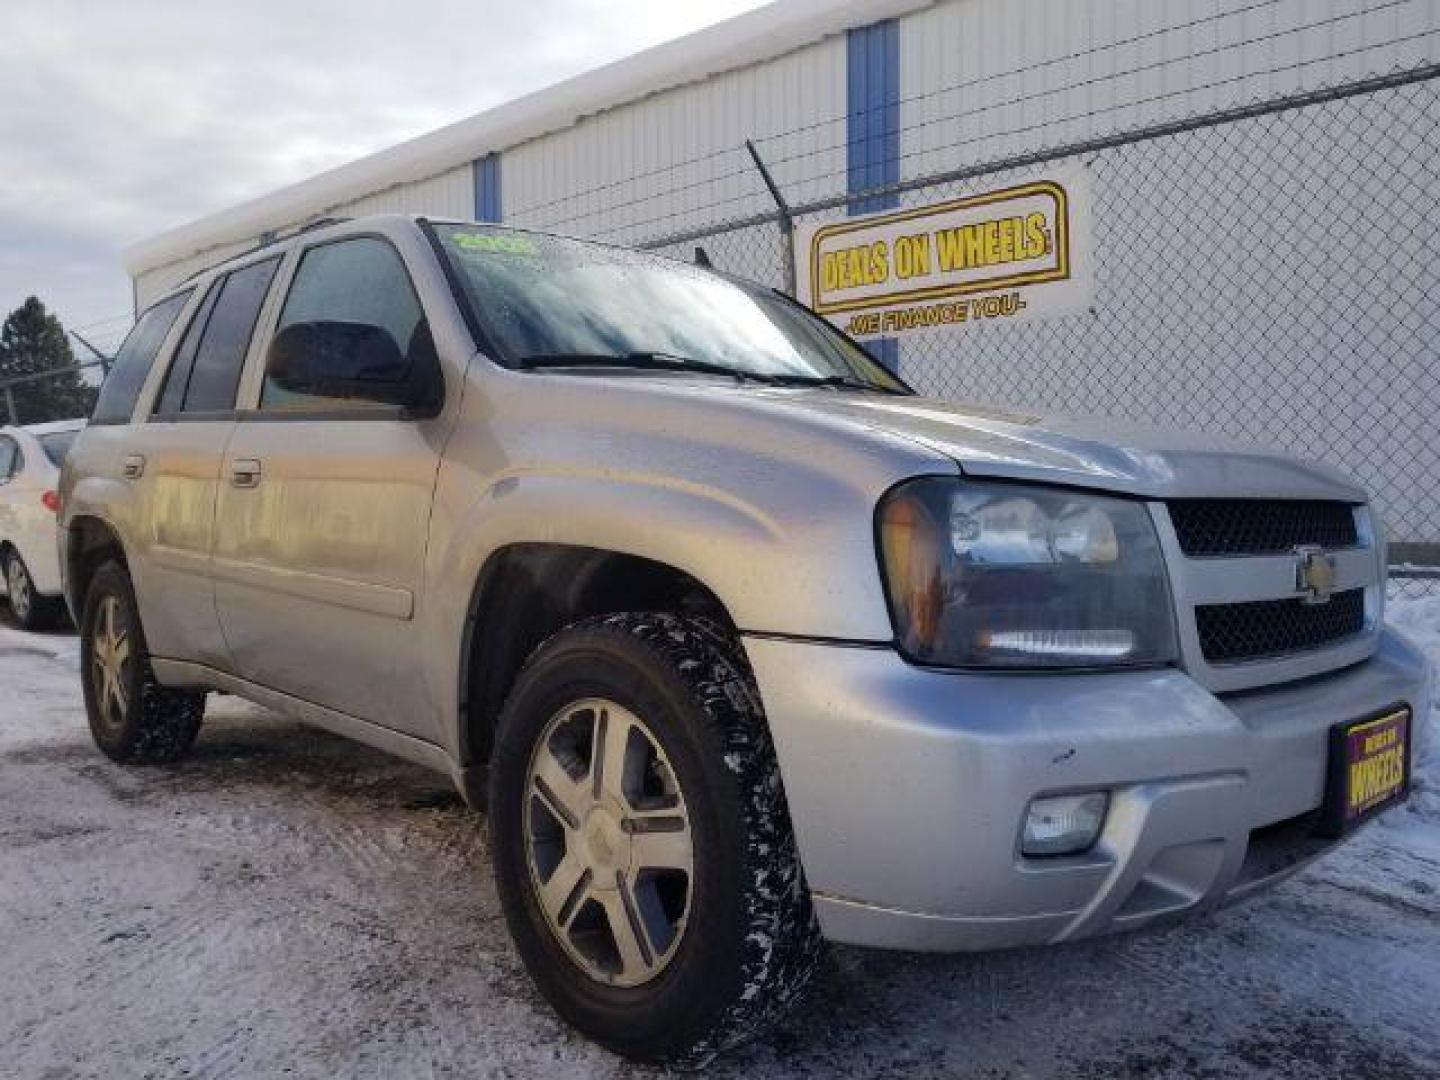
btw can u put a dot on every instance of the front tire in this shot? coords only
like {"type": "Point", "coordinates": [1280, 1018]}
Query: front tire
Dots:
{"type": "Point", "coordinates": [132, 717]}
{"type": "Point", "coordinates": [642, 845]}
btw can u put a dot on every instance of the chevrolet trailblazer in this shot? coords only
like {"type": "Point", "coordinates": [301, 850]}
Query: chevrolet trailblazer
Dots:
{"type": "Point", "coordinates": [744, 644]}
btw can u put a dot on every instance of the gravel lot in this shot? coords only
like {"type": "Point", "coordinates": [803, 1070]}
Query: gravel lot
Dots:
{"type": "Point", "coordinates": [286, 903]}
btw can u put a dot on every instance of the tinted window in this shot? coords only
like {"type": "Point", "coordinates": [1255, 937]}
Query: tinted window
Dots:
{"type": "Point", "coordinates": [132, 364]}
{"type": "Point", "coordinates": [57, 445]}
{"type": "Point", "coordinates": [216, 372]}
{"type": "Point", "coordinates": [8, 458]}
{"type": "Point", "coordinates": [363, 286]}
{"type": "Point", "coordinates": [183, 360]}
{"type": "Point", "coordinates": [205, 373]}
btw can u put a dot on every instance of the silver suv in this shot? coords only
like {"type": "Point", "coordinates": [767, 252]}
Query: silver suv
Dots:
{"type": "Point", "coordinates": [744, 644]}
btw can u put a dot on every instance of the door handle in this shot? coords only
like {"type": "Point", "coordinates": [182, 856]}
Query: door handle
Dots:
{"type": "Point", "coordinates": [244, 473]}
{"type": "Point", "coordinates": [134, 466]}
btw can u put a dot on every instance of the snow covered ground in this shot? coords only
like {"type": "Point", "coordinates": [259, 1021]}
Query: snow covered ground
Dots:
{"type": "Point", "coordinates": [286, 903]}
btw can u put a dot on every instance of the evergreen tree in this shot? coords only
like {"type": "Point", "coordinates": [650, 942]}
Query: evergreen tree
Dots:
{"type": "Point", "coordinates": [33, 341]}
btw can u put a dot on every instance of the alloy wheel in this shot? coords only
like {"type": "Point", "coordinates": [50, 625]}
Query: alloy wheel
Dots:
{"type": "Point", "coordinates": [608, 842]}
{"type": "Point", "coordinates": [111, 659]}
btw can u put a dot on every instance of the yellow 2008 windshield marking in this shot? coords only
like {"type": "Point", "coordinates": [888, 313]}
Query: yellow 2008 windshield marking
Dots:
{"type": "Point", "coordinates": [494, 243]}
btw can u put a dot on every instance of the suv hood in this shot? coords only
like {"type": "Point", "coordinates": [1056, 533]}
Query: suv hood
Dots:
{"type": "Point", "coordinates": [1085, 452]}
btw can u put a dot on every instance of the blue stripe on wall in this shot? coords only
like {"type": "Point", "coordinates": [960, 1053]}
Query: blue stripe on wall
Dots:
{"type": "Point", "coordinates": [487, 188]}
{"type": "Point", "coordinates": [872, 113]}
{"type": "Point", "coordinates": [872, 131]}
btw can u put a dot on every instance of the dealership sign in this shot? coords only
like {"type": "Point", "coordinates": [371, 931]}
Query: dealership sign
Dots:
{"type": "Point", "coordinates": [1019, 252]}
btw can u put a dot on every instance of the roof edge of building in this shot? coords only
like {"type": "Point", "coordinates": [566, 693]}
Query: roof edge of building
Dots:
{"type": "Point", "coordinates": [746, 39]}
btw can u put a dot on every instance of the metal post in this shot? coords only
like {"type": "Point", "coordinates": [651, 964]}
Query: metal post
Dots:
{"type": "Point", "coordinates": [10, 407]}
{"type": "Point", "coordinates": [102, 357]}
{"type": "Point", "coordinates": [787, 222]}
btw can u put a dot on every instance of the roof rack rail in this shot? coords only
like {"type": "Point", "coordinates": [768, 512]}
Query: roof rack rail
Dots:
{"type": "Point", "coordinates": [265, 240]}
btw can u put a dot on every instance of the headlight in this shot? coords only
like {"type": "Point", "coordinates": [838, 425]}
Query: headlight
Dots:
{"type": "Point", "coordinates": [1010, 575]}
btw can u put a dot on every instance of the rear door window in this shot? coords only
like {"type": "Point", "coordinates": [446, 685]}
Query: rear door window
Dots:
{"type": "Point", "coordinates": [216, 374]}
{"type": "Point", "coordinates": [132, 364]}
{"type": "Point", "coordinates": [9, 458]}
{"type": "Point", "coordinates": [205, 374]}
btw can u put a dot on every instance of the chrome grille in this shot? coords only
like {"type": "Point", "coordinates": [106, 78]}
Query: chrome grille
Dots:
{"type": "Point", "coordinates": [1265, 628]}
{"type": "Point", "coordinates": [1209, 527]}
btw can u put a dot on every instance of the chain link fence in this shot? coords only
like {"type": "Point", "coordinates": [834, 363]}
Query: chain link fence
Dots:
{"type": "Point", "coordinates": [1268, 274]}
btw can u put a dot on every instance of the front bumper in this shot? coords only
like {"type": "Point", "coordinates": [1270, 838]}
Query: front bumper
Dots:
{"type": "Point", "coordinates": [907, 788]}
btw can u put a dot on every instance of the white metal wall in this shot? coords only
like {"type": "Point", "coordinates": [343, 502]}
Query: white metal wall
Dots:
{"type": "Point", "coordinates": [676, 160]}
{"type": "Point", "coordinates": [152, 284]}
{"type": "Point", "coordinates": [450, 194]}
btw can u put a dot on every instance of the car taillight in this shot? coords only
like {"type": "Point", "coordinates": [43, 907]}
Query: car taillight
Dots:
{"type": "Point", "coordinates": [51, 499]}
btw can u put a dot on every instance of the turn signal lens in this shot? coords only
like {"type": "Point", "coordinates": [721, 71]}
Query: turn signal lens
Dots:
{"type": "Point", "coordinates": [51, 499]}
{"type": "Point", "coordinates": [910, 548]}
{"type": "Point", "coordinates": [1063, 824]}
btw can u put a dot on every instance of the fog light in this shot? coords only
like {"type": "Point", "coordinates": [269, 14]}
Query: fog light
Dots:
{"type": "Point", "coordinates": [1063, 824]}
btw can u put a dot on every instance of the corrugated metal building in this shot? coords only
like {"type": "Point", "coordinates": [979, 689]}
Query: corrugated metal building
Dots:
{"type": "Point", "coordinates": [1266, 215]}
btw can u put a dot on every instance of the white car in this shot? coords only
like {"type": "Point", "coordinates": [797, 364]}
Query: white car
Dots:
{"type": "Point", "coordinates": [30, 459]}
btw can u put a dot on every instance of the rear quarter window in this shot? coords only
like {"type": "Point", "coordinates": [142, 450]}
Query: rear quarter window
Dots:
{"type": "Point", "coordinates": [132, 364]}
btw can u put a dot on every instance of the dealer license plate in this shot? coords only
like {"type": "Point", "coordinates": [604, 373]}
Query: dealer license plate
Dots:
{"type": "Point", "coordinates": [1369, 768]}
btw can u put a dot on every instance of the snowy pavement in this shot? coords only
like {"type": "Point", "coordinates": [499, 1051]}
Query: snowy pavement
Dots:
{"type": "Point", "coordinates": [286, 903]}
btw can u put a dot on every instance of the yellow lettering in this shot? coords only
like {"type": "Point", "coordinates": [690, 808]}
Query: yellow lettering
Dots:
{"type": "Point", "coordinates": [912, 256]}
{"type": "Point", "coordinates": [974, 245]}
{"type": "Point", "coordinates": [1037, 240]}
{"type": "Point", "coordinates": [1006, 247]}
{"type": "Point", "coordinates": [992, 242]}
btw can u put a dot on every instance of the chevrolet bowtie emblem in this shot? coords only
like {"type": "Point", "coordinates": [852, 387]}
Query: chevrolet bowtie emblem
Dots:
{"type": "Point", "coordinates": [1314, 573]}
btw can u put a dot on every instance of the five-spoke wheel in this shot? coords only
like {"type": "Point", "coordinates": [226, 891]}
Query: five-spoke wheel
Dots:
{"type": "Point", "coordinates": [110, 661]}
{"type": "Point", "coordinates": [609, 842]}
{"type": "Point", "coordinates": [641, 841]}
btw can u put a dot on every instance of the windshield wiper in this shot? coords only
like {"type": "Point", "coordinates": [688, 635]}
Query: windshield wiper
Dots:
{"type": "Point", "coordinates": [661, 361]}
{"type": "Point", "coordinates": [656, 361]}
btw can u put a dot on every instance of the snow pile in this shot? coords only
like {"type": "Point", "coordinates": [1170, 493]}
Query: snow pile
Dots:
{"type": "Point", "coordinates": [1414, 830]}
{"type": "Point", "coordinates": [1418, 618]}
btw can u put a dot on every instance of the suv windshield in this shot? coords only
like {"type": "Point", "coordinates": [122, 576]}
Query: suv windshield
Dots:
{"type": "Point", "coordinates": [550, 301]}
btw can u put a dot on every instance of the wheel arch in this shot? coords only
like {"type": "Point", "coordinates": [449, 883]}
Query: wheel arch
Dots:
{"type": "Point", "coordinates": [526, 592]}
{"type": "Point", "coordinates": [90, 542]}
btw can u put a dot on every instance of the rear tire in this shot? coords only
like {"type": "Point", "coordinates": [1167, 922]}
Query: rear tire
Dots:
{"type": "Point", "coordinates": [31, 610]}
{"type": "Point", "coordinates": [719, 958]}
{"type": "Point", "coordinates": [133, 719]}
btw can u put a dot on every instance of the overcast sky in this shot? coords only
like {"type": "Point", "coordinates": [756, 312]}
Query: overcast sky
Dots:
{"type": "Point", "coordinates": [121, 120]}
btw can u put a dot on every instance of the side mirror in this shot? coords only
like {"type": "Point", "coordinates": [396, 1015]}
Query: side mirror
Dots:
{"type": "Point", "coordinates": [355, 362]}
